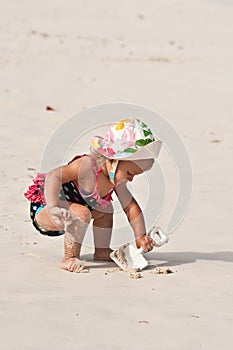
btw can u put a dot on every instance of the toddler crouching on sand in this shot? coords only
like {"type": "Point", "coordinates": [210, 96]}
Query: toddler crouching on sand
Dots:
{"type": "Point", "coordinates": [65, 200]}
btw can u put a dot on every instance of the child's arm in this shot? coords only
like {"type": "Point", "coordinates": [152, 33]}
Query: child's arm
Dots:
{"type": "Point", "coordinates": [135, 217]}
{"type": "Point", "coordinates": [80, 170]}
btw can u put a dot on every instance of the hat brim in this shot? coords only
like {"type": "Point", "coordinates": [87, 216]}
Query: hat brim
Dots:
{"type": "Point", "coordinates": [151, 150]}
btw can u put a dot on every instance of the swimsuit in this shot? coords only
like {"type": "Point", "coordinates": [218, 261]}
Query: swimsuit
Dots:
{"type": "Point", "coordinates": [70, 191]}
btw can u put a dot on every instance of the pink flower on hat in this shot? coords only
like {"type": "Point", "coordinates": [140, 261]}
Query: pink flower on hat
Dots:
{"type": "Point", "coordinates": [123, 139]}
{"type": "Point", "coordinates": [107, 150]}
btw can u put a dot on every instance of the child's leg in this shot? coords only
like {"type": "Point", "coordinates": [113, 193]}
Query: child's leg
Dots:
{"type": "Point", "coordinates": [74, 236]}
{"type": "Point", "coordinates": [102, 230]}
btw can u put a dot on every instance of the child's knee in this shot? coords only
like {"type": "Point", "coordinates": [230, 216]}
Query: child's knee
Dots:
{"type": "Point", "coordinates": [44, 220]}
{"type": "Point", "coordinates": [103, 215]}
{"type": "Point", "coordinates": [81, 212]}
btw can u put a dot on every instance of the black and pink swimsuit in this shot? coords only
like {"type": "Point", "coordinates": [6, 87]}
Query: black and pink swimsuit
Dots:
{"type": "Point", "coordinates": [70, 191]}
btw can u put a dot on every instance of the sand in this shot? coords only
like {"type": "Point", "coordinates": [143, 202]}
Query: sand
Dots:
{"type": "Point", "coordinates": [175, 57]}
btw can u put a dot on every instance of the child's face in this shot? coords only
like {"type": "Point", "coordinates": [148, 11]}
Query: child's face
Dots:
{"type": "Point", "coordinates": [126, 170]}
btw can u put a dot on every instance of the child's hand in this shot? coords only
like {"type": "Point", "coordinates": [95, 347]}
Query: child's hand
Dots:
{"type": "Point", "coordinates": [145, 242]}
{"type": "Point", "coordinates": [61, 217]}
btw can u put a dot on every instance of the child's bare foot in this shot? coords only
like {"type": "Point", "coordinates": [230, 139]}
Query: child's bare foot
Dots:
{"type": "Point", "coordinates": [73, 265]}
{"type": "Point", "coordinates": [102, 254]}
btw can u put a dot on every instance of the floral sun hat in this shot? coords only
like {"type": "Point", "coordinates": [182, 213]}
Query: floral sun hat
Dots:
{"type": "Point", "coordinates": [128, 139]}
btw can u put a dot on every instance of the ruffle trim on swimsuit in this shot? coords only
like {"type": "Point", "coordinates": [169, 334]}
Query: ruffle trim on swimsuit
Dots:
{"type": "Point", "coordinates": [35, 192]}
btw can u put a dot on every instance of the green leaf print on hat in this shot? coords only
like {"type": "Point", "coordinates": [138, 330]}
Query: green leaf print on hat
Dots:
{"type": "Point", "coordinates": [130, 150]}
{"type": "Point", "coordinates": [125, 139]}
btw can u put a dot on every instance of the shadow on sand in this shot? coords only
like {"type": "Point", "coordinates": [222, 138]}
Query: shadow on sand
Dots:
{"type": "Point", "coordinates": [171, 259]}
{"type": "Point", "coordinates": [181, 258]}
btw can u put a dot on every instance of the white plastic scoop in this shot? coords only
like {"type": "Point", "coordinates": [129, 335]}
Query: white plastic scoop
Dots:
{"type": "Point", "coordinates": [128, 257]}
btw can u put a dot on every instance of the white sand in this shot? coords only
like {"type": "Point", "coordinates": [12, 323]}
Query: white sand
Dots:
{"type": "Point", "coordinates": [174, 57]}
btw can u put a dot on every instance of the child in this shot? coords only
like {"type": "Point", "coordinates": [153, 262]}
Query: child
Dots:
{"type": "Point", "coordinates": [66, 199]}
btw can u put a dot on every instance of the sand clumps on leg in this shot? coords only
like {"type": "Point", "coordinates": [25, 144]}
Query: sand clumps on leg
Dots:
{"type": "Point", "coordinates": [73, 263]}
{"type": "Point", "coordinates": [74, 234]}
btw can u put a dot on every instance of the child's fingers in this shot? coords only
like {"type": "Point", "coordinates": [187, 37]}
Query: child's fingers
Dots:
{"type": "Point", "coordinates": [67, 216]}
{"type": "Point", "coordinates": [146, 243]}
{"type": "Point", "coordinates": [57, 217]}
{"type": "Point", "coordinates": [149, 244]}
{"type": "Point", "coordinates": [61, 217]}
{"type": "Point", "coordinates": [148, 240]}
{"type": "Point", "coordinates": [149, 247]}
{"type": "Point", "coordinates": [58, 222]}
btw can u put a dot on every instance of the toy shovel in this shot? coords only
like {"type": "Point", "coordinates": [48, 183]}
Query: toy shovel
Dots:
{"type": "Point", "coordinates": [128, 257]}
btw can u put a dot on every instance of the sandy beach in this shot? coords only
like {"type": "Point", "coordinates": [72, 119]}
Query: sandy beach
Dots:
{"type": "Point", "coordinates": [174, 57]}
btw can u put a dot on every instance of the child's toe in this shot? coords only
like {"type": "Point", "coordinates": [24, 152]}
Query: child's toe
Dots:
{"type": "Point", "coordinates": [73, 265]}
